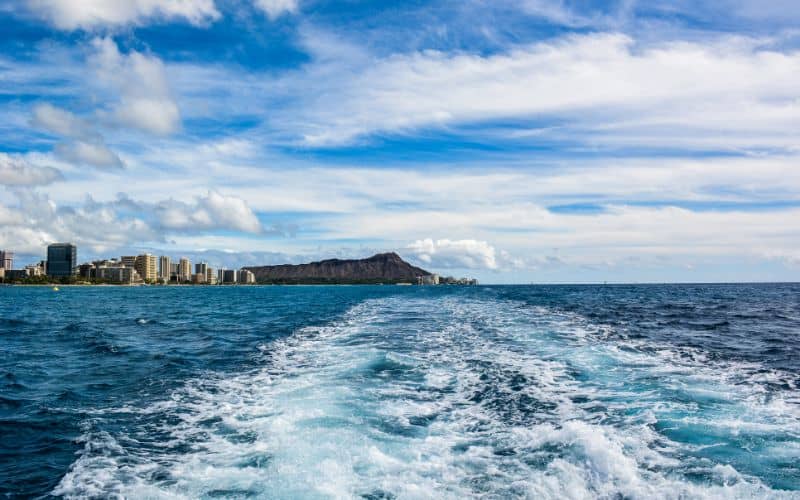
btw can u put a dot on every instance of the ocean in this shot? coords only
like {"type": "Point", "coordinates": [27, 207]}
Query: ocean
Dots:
{"type": "Point", "coordinates": [380, 392]}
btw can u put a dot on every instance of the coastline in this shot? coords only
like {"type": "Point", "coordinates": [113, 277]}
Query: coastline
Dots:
{"type": "Point", "coordinates": [200, 285]}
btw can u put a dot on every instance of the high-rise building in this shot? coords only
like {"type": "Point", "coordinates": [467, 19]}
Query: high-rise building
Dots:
{"type": "Point", "coordinates": [211, 276]}
{"type": "Point", "coordinates": [128, 260]}
{"type": "Point", "coordinates": [229, 276]}
{"type": "Point", "coordinates": [6, 259]}
{"type": "Point", "coordinates": [61, 259]}
{"type": "Point", "coordinates": [147, 267]}
{"type": "Point", "coordinates": [117, 273]}
{"type": "Point", "coordinates": [221, 275]}
{"type": "Point", "coordinates": [184, 270]}
{"type": "Point", "coordinates": [164, 267]}
{"type": "Point", "coordinates": [247, 277]}
{"type": "Point", "coordinates": [201, 268]}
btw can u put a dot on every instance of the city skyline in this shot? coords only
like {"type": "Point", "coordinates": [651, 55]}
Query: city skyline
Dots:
{"type": "Point", "coordinates": [62, 262]}
{"type": "Point", "coordinates": [531, 141]}
{"type": "Point", "coordinates": [61, 267]}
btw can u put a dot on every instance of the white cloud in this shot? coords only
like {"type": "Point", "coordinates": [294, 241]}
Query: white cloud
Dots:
{"type": "Point", "coordinates": [96, 154]}
{"type": "Point", "coordinates": [59, 121]}
{"type": "Point", "coordinates": [495, 221]}
{"type": "Point", "coordinates": [16, 171]}
{"type": "Point", "coordinates": [775, 14]}
{"type": "Point", "coordinates": [23, 239]}
{"type": "Point", "coordinates": [619, 230]}
{"type": "Point", "coordinates": [782, 11]}
{"type": "Point", "coordinates": [145, 100]}
{"type": "Point", "coordinates": [730, 93]}
{"type": "Point", "coordinates": [229, 148]}
{"type": "Point", "coordinates": [448, 188]}
{"type": "Point", "coordinates": [88, 146]}
{"type": "Point", "coordinates": [595, 15]}
{"type": "Point", "coordinates": [213, 211]}
{"type": "Point", "coordinates": [506, 206]}
{"type": "Point", "coordinates": [97, 227]}
{"type": "Point", "coordinates": [557, 12]}
{"type": "Point", "coordinates": [790, 259]}
{"type": "Point", "coordinates": [35, 219]}
{"type": "Point", "coordinates": [275, 8]}
{"type": "Point", "coordinates": [90, 14]}
{"type": "Point", "coordinates": [150, 114]}
{"type": "Point", "coordinates": [506, 203]}
{"type": "Point", "coordinates": [461, 254]}
{"type": "Point", "coordinates": [10, 217]}
{"type": "Point", "coordinates": [140, 99]}
{"type": "Point", "coordinates": [230, 211]}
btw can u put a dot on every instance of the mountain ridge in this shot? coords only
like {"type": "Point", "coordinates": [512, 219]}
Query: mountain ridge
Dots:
{"type": "Point", "coordinates": [386, 267]}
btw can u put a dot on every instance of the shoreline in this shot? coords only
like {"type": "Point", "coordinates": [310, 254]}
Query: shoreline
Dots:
{"type": "Point", "coordinates": [116, 285]}
{"type": "Point", "coordinates": [136, 285]}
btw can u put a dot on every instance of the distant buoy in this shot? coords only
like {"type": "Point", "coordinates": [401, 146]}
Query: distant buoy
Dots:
{"type": "Point", "coordinates": [55, 288]}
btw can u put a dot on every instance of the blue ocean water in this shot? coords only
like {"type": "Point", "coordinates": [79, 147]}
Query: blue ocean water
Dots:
{"type": "Point", "coordinates": [673, 391]}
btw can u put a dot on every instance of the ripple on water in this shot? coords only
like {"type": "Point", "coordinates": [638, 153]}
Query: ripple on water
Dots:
{"type": "Point", "coordinates": [451, 398]}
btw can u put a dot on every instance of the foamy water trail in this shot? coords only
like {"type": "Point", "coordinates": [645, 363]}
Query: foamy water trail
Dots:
{"type": "Point", "coordinates": [452, 398]}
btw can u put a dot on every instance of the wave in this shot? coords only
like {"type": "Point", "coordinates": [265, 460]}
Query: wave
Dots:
{"type": "Point", "coordinates": [449, 397]}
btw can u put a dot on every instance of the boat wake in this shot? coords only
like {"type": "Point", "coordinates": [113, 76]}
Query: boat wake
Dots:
{"type": "Point", "coordinates": [449, 397]}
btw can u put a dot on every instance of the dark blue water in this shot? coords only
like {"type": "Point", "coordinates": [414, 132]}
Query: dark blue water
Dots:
{"type": "Point", "coordinates": [674, 391]}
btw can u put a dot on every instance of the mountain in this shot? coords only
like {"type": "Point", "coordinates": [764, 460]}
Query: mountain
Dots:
{"type": "Point", "coordinates": [380, 268]}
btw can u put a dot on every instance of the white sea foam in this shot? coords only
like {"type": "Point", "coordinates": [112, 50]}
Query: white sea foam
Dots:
{"type": "Point", "coordinates": [450, 398]}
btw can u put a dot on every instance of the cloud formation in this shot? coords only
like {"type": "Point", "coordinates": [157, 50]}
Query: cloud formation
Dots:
{"type": "Point", "coordinates": [559, 13]}
{"type": "Point", "coordinates": [731, 93]}
{"type": "Point", "coordinates": [92, 153]}
{"type": "Point", "coordinates": [35, 220]}
{"type": "Point", "coordinates": [16, 171]}
{"type": "Point", "coordinates": [276, 8]}
{"type": "Point", "coordinates": [92, 14]}
{"type": "Point", "coordinates": [137, 96]}
{"type": "Point", "coordinates": [550, 134]}
{"type": "Point", "coordinates": [95, 227]}
{"type": "Point", "coordinates": [86, 146]}
{"type": "Point", "coordinates": [459, 254]}
{"type": "Point", "coordinates": [213, 211]}
{"type": "Point", "coordinates": [144, 101]}
{"type": "Point", "coordinates": [60, 122]}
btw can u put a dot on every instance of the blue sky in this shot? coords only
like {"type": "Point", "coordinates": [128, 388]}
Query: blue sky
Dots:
{"type": "Point", "coordinates": [516, 141]}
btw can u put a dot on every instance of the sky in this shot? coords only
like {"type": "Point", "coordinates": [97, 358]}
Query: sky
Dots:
{"type": "Point", "coordinates": [512, 141]}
